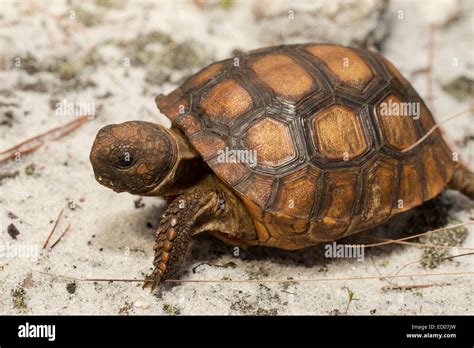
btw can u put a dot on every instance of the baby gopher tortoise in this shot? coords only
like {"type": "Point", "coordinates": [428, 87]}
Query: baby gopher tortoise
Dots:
{"type": "Point", "coordinates": [286, 147]}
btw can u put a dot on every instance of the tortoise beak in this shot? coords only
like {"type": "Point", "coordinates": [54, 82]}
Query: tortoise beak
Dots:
{"type": "Point", "coordinates": [104, 181]}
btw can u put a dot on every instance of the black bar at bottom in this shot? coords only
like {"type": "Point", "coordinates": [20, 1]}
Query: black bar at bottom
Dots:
{"type": "Point", "coordinates": [291, 330]}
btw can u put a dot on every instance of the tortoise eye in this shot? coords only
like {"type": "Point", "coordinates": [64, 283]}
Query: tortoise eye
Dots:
{"type": "Point", "coordinates": [125, 160]}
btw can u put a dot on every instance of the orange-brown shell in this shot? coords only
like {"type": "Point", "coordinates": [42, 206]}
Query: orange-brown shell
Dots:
{"type": "Point", "coordinates": [329, 160]}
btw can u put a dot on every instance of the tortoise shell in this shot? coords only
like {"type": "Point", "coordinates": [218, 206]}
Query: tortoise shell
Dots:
{"type": "Point", "coordinates": [329, 162]}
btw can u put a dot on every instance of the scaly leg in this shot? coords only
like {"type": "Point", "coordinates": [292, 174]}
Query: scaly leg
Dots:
{"type": "Point", "coordinates": [211, 207]}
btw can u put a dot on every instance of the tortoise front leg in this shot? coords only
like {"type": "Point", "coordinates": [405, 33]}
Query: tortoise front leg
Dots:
{"type": "Point", "coordinates": [209, 206]}
{"type": "Point", "coordinates": [176, 227]}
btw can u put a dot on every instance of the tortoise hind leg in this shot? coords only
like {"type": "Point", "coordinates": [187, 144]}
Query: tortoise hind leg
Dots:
{"type": "Point", "coordinates": [208, 207]}
{"type": "Point", "coordinates": [462, 180]}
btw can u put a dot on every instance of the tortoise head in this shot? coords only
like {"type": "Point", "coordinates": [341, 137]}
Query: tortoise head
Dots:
{"type": "Point", "coordinates": [132, 156]}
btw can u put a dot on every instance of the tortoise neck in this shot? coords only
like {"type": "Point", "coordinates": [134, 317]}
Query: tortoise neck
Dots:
{"type": "Point", "coordinates": [188, 168]}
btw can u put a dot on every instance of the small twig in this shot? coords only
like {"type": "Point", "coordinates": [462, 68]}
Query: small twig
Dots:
{"type": "Point", "coordinates": [34, 143]}
{"type": "Point", "coordinates": [429, 70]}
{"type": "Point", "coordinates": [91, 279]}
{"type": "Point", "coordinates": [442, 258]}
{"type": "Point", "coordinates": [378, 271]}
{"type": "Point", "coordinates": [54, 228]}
{"type": "Point", "coordinates": [436, 126]}
{"type": "Point", "coordinates": [429, 84]}
{"type": "Point", "coordinates": [263, 280]}
{"type": "Point", "coordinates": [419, 234]}
{"type": "Point", "coordinates": [61, 236]}
{"type": "Point", "coordinates": [411, 286]}
{"type": "Point", "coordinates": [396, 241]}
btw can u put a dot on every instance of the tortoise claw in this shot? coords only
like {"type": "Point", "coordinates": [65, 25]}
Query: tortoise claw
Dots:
{"type": "Point", "coordinates": [153, 280]}
{"type": "Point", "coordinates": [153, 286]}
